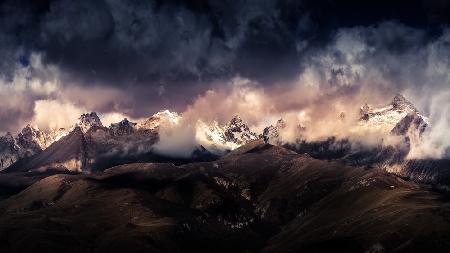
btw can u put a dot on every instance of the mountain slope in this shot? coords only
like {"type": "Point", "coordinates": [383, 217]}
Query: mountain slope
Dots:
{"type": "Point", "coordinates": [69, 153]}
{"type": "Point", "coordinates": [28, 142]}
{"type": "Point", "coordinates": [31, 141]}
{"type": "Point", "coordinates": [261, 198]}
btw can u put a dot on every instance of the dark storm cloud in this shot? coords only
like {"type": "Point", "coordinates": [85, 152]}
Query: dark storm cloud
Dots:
{"type": "Point", "coordinates": [163, 53]}
{"type": "Point", "coordinates": [145, 42]}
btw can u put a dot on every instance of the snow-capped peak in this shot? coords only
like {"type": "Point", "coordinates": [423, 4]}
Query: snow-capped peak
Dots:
{"type": "Point", "coordinates": [56, 134]}
{"type": "Point", "coordinates": [85, 122]}
{"type": "Point", "coordinates": [88, 120]}
{"type": "Point", "coordinates": [32, 138]}
{"type": "Point", "coordinates": [172, 117]}
{"type": "Point", "coordinates": [238, 132]}
{"type": "Point", "coordinates": [9, 151]}
{"type": "Point", "coordinates": [236, 121]}
{"type": "Point", "coordinates": [28, 142]}
{"type": "Point", "coordinates": [400, 117]}
{"type": "Point", "coordinates": [218, 138]}
{"type": "Point", "coordinates": [162, 117]}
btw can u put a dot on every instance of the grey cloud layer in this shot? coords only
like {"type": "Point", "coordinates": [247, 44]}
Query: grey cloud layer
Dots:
{"type": "Point", "coordinates": [117, 42]}
{"type": "Point", "coordinates": [177, 43]}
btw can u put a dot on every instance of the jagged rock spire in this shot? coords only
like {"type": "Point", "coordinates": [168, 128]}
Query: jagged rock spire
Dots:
{"type": "Point", "coordinates": [88, 120]}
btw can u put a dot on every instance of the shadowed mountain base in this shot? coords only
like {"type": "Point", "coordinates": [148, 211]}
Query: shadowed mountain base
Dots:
{"type": "Point", "coordinates": [258, 198]}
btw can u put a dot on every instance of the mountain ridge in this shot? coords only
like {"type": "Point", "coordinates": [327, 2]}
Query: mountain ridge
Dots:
{"type": "Point", "coordinates": [127, 141]}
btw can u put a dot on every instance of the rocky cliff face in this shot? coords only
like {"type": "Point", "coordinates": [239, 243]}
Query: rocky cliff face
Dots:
{"type": "Point", "coordinates": [32, 140]}
{"type": "Point", "coordinates": [9, 151]}
{"type": "Point", "coordinates": [28, 142]}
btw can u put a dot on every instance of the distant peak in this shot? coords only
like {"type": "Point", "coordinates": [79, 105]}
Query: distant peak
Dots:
{"type": "Point", "coordinates": [166, 114]}
{"type": "Point", "coordinates": [219, 138]}
{"type": "Point", "coordinates": [29, 127]}
{"type": "Point", "coordinates": [400, 102]}
{"type": "Point", "coordinates": [123, 127]}
{"type": "Point", "coordinates": [236, 120]}
{"type": "Point", "coordinates": [124, 122]}
{"type": "Point", "coordinates": [88, 120]}
{"type": "Point", "coordinates": [399, 98]}
{"type": "Point", "coordinates": [29, 132]}
{"type": "Point", "coordinates": [89, 115]}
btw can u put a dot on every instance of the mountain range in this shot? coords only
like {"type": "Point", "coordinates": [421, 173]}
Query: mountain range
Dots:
{"type": "Point", "coordinates": [88, 146]}
{"type": "Point", "coordinates": [92, 188]}
{"type": "Point", "coordinates": [94, 146]}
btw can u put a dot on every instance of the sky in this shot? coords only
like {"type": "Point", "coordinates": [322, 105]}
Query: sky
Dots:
{"type": "Point", "coordinates": [214, 59]}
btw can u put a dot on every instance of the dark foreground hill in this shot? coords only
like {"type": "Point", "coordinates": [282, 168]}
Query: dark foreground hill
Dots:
{"type": "Point", "coordinates": [259, 198]}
